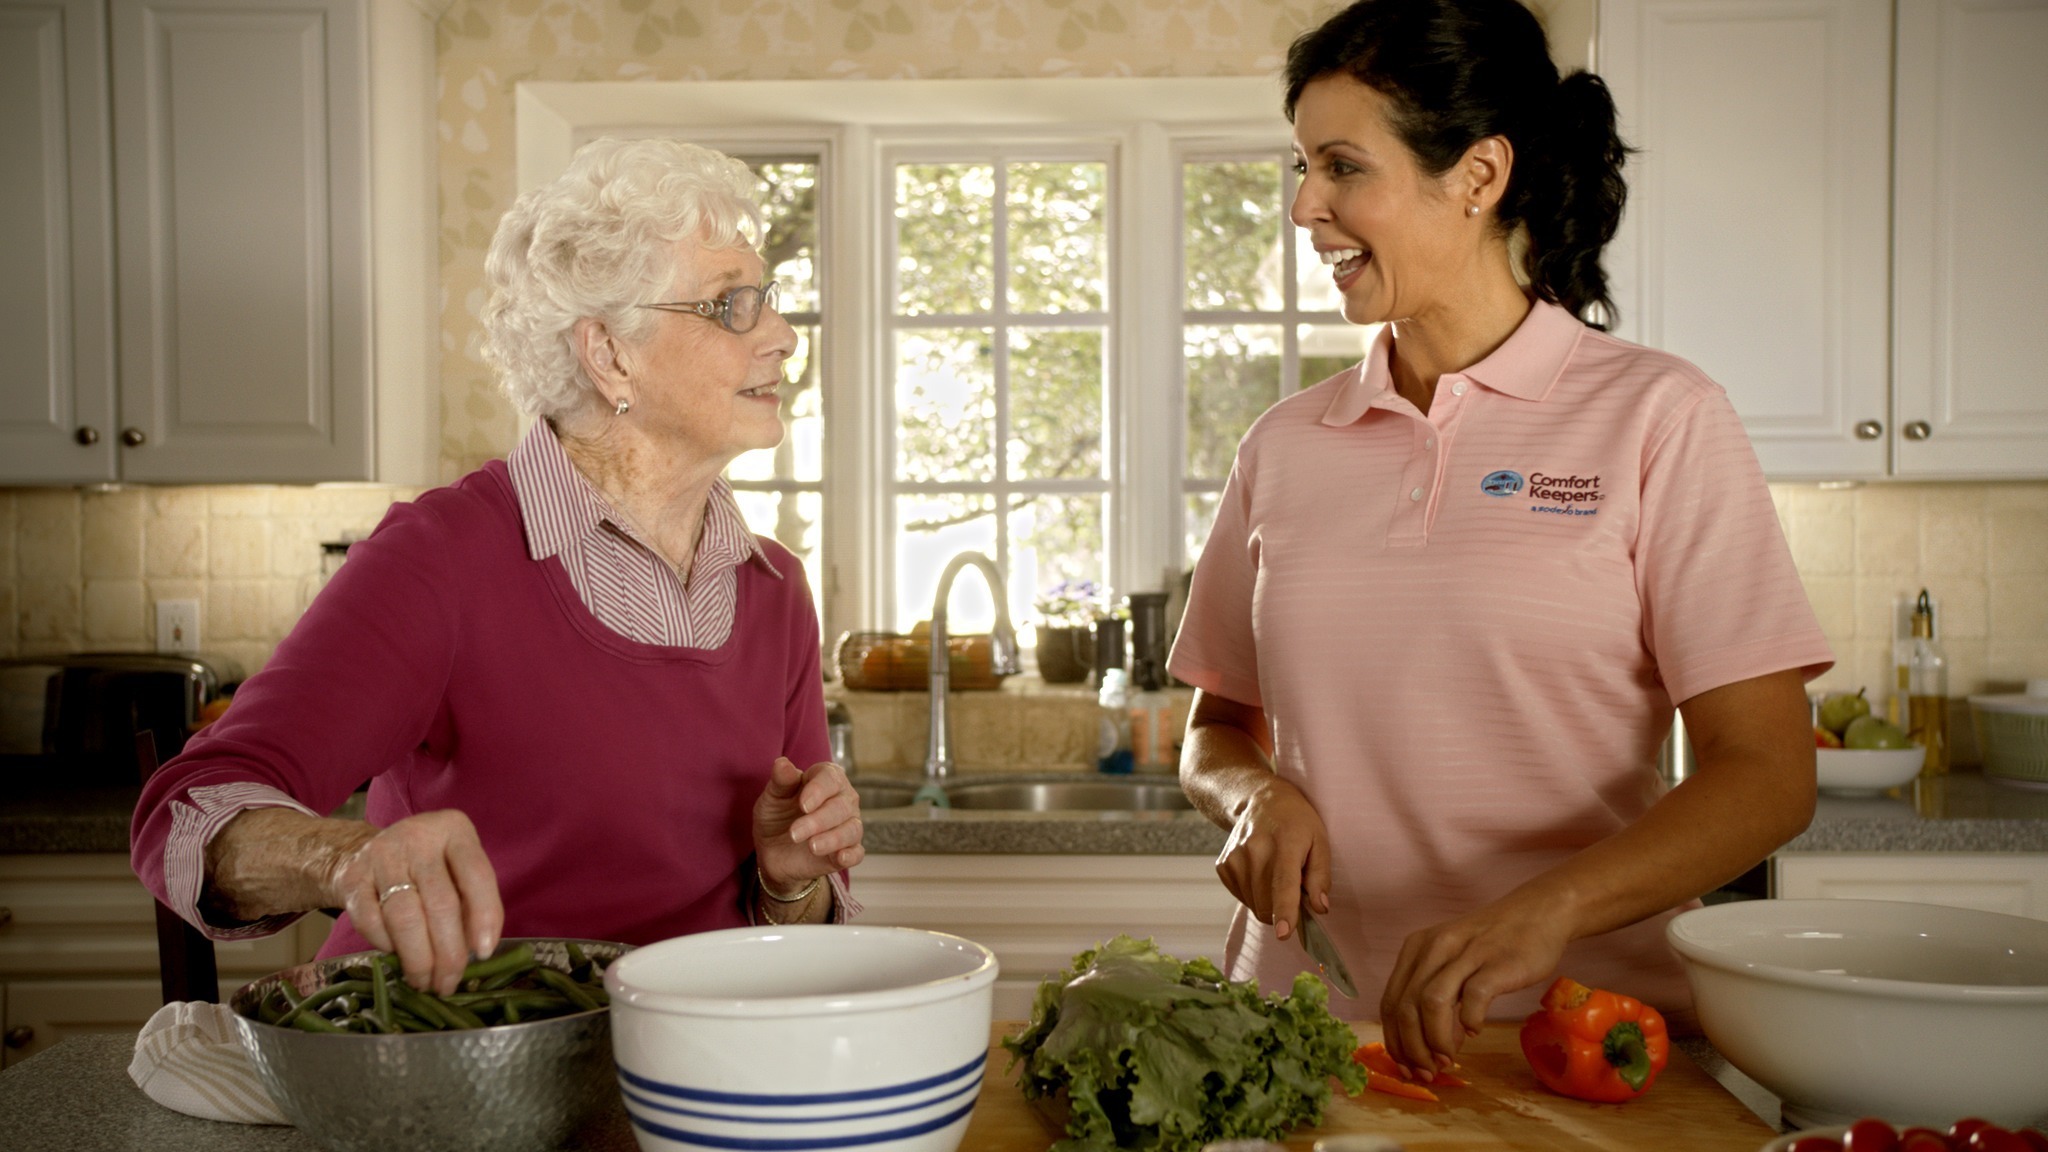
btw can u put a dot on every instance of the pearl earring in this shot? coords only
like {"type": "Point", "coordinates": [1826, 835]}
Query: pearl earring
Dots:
{"type": "Point", "coordinates": [1471, 209]}
{"type": "Point", "coordinates": [622, 408]}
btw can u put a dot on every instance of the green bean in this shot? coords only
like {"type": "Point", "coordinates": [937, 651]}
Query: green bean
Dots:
{"type": "Point", "coordinates": [511, 1012]}
{"type": "Point", "coordinates": [380, 991]}
{"type": "Point", "coordinates": [313, 1001]}
{"type": "Point", "coordinates": [518, 959]}
{"type": "Point", "coordinates": [315, 1022]}
{"type": "Point", "coordinates": [567, 987]}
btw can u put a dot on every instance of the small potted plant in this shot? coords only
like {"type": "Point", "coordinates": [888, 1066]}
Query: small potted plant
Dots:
{"type": "Point", "coordinates": [1066, 611]}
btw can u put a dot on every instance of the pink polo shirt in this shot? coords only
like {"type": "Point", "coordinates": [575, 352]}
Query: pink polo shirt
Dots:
{"type": "Point", "coordinates": [1468, 630]}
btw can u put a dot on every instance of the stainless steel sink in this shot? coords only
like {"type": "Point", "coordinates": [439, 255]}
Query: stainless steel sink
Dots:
{"type": "Point", "coordinates": [1098, 795]}
{"type": "Point", "coordinates": [884, 793]}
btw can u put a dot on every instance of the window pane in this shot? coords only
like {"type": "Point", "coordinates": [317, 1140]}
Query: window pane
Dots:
{"type": "Point", "coordinates": [1058, 239]}
{"type": "Point", "coordinates": [1053, 538]}
{"type": "Point", "coordinates": [801, 455]}
{"type": "Point", "coordinates": [789, 197]}
{"type": "Point", "coordinates": [1055, 403]}
{"type": "Point", "coordinates": [931, 529]}
{"type": "Point", "coordinates": [1233, 376]}
{"type": "Point", "coordinates": [1233, 231]}
{"type": "Point", "coordinates": [945, 229]}
{"type": "Point", "coordinates": [791, 520]}
{"type": "Point", "coordinates": [1200, 516]}
{"type": "Point", "coordinates": [945, 405]}
{"type": "Point", "coordinates": [1327, 349]}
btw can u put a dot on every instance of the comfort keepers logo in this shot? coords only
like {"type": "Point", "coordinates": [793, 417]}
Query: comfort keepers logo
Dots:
{"type": "Point", "coordinates": [1572, 495]}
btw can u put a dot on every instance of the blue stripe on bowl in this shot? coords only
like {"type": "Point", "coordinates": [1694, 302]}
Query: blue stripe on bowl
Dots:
{"type": "Point", "coordinates": [707, 1096]}
{"type": "Point", "coordinates": [969, 1086]}
{"type": "Point", "coordinates": [800, 1143]}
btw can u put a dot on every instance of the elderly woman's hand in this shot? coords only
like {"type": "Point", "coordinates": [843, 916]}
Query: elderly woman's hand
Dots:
{"type": "Point", "coordinates": [806, 824]}
{"type": "Point", "coordinates": [424, 889]}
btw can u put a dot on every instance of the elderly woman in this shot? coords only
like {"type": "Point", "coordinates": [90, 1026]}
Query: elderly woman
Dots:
{"type": "Point", "coordinates": [578, 685]}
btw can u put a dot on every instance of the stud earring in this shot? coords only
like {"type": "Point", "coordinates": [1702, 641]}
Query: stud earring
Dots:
{"type": "Point", "coordinates": [622, 408]}
{"type": "Point", "coordinates": [1471, 209]}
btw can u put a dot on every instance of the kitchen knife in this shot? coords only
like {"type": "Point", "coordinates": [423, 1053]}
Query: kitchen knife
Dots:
{"type": "Point", "coordinates": [1324, 952]}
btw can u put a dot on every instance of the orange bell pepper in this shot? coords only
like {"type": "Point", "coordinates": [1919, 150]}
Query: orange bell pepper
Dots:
{"type": "Point", "coordinates": [1375, 1059]}
{"type": "Point", "coordinates": [1594, 1045]}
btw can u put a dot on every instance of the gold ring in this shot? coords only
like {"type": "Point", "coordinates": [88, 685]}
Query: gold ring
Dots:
{"type": "Point", "coordinates": [394, 890]}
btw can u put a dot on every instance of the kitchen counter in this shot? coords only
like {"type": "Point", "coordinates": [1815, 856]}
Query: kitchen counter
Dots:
{"type": "Point", "coordinates": [78, 1095]}
{"type": "Point", "coordinates": [1965, 812]}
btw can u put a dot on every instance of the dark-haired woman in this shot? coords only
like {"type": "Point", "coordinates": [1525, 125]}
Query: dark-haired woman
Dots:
{"type": "Point", "coordinates": [1453, 594]}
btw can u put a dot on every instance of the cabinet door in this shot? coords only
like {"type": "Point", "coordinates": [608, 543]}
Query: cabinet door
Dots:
{"type": "Point", "coordinates": [56, 275]}
{"type": "Point", "coordinates": [1754, 242]}
{"type": "Point", "coordinates": [241, 146]}
{"type": "Point", "coordinates": [2009, 882]}
{"type": "Point", "coordinates": [1972, 159]}
{"type": "Point", "coordinates": [42, 1012]}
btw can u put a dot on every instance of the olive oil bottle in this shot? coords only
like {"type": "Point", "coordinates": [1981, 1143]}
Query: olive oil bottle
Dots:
{"type": "Point", "coordinates": [1927, 691]}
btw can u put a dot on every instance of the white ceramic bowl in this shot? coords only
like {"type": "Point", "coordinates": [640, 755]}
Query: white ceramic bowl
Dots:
{"type": "Point", "coordinates": [804, 1037]}
{"type": "Point", "coordinates": [1866, 771]}
{"type": "Point", "coordinates": [1915, 1013]}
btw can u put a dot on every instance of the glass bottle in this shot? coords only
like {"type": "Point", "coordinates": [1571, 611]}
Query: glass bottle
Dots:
{"type": "Point", "coordinates": [1927, 691]}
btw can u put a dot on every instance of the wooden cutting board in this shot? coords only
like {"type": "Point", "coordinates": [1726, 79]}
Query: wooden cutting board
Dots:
{"type": "Point", "coordinates": [1505, 1108]}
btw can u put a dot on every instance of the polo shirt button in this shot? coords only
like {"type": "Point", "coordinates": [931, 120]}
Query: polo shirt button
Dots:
{"type": "Point", "coordinates": [1415, 495]}
{"type": "Point", "coordinates": [1429, 443]}
{"type": "Point", "coordinates": [1458, 388]}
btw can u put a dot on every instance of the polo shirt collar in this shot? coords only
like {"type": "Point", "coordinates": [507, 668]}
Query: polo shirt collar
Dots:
{"type": "Point", "coordinates": [1526, 366]}
{"type": "Point", "coordinates": [560, 506]}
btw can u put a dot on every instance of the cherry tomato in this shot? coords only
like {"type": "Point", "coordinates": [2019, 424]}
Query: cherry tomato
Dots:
{"type": "Point", "coordinates": [1923, 1140]}
{"type": "Point", "coordinates": [1815, 1144]}
{"type": "Point", "coordinates": [2035, 1141]}
{"type": "Point", "coordinates": [1870, 1136]}
{"type": "Point", "coordinates": [1996, 1139]}
{"type": "Point", "coordinates": [1963, 1129]}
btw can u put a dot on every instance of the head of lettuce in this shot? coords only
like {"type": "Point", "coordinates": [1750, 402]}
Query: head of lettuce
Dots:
{"type": "Point", "coordinates": [1167, 1056]}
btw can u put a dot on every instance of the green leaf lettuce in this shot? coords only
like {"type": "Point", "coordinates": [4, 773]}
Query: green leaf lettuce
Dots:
{"type": "Point", "coordinates": [1166, 1056]}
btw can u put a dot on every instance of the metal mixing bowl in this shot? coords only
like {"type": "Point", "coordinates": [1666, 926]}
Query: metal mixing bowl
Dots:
{"type": "Point", "coordinates": [505, 1089]}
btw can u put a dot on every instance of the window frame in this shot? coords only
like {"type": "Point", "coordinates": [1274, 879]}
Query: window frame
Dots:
{"type": "Point", "coordinates": [854, 127]}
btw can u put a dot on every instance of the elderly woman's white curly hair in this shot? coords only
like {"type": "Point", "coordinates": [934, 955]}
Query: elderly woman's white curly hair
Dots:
{"type": "Point", "coordinates": [597, 242]}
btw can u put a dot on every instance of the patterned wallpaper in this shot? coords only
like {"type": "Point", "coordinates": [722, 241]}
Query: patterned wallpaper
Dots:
{"type": "Point", "coordinates": [488, 46]}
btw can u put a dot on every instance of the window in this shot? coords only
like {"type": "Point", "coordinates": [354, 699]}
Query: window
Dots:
{"type": "Point", "coordinates": [1037, 316]}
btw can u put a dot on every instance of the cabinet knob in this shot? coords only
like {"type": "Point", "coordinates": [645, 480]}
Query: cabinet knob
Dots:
{"type": "Point", "coordinates": [1919, 430]}
{"type": "Point", "coordinates": [1869, 430]}
{"type": "Point", "coordinates": [6, 916]}
{"type": "Point", "coordinates": [86, 434]}
{"type": "Point", "coordinates": [19, 1037]}
{"type": "Point", "coordinates": [133, 437]}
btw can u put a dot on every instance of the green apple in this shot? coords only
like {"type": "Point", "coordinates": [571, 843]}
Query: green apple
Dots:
{"type": "Point", "coordinates": [1871, 732]}
{"type": "Point", "coordinates": [1840, 709]}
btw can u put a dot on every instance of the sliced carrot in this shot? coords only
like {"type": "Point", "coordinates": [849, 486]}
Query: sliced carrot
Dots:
{"type": "Point", "coordinates": [1395, 1086]}
{"type": "Point", "coordinates": [1375, 1059]}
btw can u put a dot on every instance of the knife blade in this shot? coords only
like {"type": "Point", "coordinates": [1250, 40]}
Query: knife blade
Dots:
{"type": "Point", "coordinates": [1321, 949]}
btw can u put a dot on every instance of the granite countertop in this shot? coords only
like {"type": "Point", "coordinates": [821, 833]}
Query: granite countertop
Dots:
{"type": "Point", "coordinates": [1965, 812]}
{"type": "Point", "coordinates": [41, 1110]}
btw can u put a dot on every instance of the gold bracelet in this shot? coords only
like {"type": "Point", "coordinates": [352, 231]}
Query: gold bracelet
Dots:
{"type": "Point", "coordinates": [801, 893]}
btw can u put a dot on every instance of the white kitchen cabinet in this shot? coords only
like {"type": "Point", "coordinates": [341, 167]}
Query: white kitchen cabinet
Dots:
{"type": "Point", "coordinates": [1755, 241]}
{"type": "Point", "coordinates": [1972, 257]}
{"type": "Point", "coordinates": [1036, 912]}
{"type": "Point", "coordinates": [1837, 232]}
{"type": "Point", "coordinates": [272, 290]}
{"type": "Point", "coordinates": [78, 949]}
{"type": "Point", "coordinates": [2014, 883]}
{"type": "Point", "coordinates": [56, 254]}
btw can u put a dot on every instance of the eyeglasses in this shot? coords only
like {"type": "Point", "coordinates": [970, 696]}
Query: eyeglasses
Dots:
{"type": "Point", "coordinates": [737, 311]}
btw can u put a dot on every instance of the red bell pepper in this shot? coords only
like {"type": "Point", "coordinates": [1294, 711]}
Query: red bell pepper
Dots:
{"type": "Point", "coordinates": [1594, 1045]}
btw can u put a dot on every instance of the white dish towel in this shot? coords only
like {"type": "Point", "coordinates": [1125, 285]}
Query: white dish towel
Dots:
{"type": "Point", "coordinates": [190, 1059]}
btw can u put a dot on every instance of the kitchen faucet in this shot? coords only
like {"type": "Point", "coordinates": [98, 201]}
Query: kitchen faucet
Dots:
{"type": "Point", "coordinates": [938, 761]}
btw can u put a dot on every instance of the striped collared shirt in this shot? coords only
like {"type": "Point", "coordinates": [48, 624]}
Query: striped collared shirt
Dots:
{"type": "Point", "coordinates": [624, 582]}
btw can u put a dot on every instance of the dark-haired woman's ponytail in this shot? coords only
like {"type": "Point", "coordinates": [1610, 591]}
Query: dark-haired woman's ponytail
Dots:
{"type": "Point", "coordinates": [1574, 198]}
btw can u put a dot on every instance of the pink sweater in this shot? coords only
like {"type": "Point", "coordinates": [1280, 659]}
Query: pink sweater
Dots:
{"type": "Point", "coordinates": [612, 782]}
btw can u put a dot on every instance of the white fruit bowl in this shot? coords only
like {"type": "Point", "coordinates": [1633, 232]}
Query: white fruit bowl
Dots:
{"type": "Point", "coordinates": [1913, 1013]}
{"type": "Point", "coordinates": [844, 1036]}
{"type": "Point", "coordinates": [1866, 771]}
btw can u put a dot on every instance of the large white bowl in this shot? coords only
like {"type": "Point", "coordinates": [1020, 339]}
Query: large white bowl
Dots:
{"type": "Point", "coordinates": [1915, 1013]}
{"type": "Point", "coordinates": [1866, 771]}
{"type": "Point", "coordinates": [803, 1037]}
